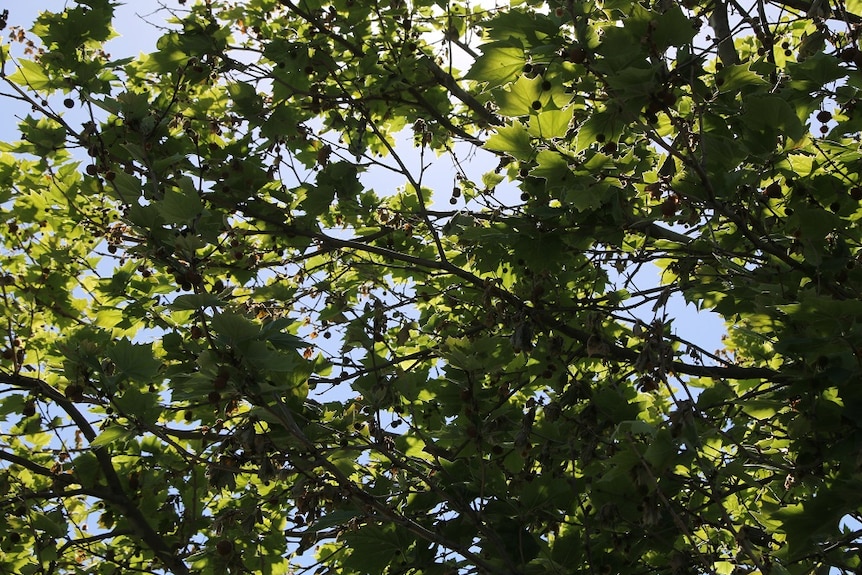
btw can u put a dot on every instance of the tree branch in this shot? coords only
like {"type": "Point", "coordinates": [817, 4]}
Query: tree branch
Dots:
{"type": "Point", "coordinates": [723, 36]}
{"type": "Point", "coordinates": [450, 84]}
{"type": "Point", "coordinates": [116, 494]}
{"type": "Point", "coordinates": [541, 317]}
{"type": "Point", "coordinates": [26, 463]}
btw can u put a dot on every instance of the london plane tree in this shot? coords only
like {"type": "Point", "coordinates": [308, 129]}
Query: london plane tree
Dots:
{"type": "Point", "coordinates": [365, 286]}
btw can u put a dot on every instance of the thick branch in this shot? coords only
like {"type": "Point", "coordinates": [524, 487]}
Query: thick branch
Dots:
{"type": "Point", "coordinates": [25, 463]}
{"type": "Point", "coordinates": [116, 494]}
{"type": "Point", "coordinates": [719, 22]}
{"type": "Point", "coordinates": [448, 82]}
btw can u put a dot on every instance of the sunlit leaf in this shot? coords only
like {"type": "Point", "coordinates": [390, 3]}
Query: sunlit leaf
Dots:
{"type": "Point", "coordinates": [111, 435]}
{"type": "Point", "coordinates": [513, 139]}
{"type": "Point", "coordinates": [498, 65]}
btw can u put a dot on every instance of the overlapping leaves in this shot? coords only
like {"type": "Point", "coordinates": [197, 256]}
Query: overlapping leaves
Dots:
{"type": "Point", "coordinates": [225, 342]}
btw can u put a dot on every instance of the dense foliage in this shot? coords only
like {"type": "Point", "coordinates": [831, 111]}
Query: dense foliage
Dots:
{"type": "Point", "coordinates": [239, 335]}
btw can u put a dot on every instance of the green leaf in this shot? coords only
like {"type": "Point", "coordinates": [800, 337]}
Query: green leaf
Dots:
{"type": "Point", "coordinates": [51, 523]}
{"type": "Point", "coordinates": [111, 435]}
{"type": "Point", "coordinates": [342, 180]}
{"type": "Point", "coordinates": [587, 196]}
{"type": "Point", "coordinates": [499, 64]}
{"type": "Point", "coordinates": [817, 70]}
{"type": "Point", "coordinates": [519, 25]}
{"type": "Point", "coordinates": [128, 187]}
{"type": "Point", "coordinates": [551, 124]}
{"type": "Point", "coordinates": [542, 491]}
{"type": "Point", "coordinates": [274, 332]}
{"type": "Point", "coordinates": [11, 404]}
{"type": "Point", "coordinates": [30, 73]}
{"type": "Point", "coordinates": [808, 522]}
{"type": "Point", "coordinates": [180, 206]}
{"type": "Point", "coordinates": [141, 405]}
{"type": "Point", "coordinates": [601, 126]}
{"type": "Point", "coordinates": [620, 48]}
{"type": "Point", "coordinates": [661, 451]}
{"type": "Point", "coordinates": [134, 360]}
{"type": "Point", "coordinates": [490, 180]}
{"type": "Point", "coordinates": [246, 98]}
{"type": "Point", "coordinates": [736, 77]}
{"type": "Point", "coordinates": [318, 200]}
{"type": "Point", "coordinates": [520, 97]}
{"type": "Point", "coordinates": [516, 538]}
{"type": "Point", "coordinates": [554, 168]}
{"type": "Point", "coordinates": [168, 57]}
{"type": "Point", "coordinates": [334, 519]}
{"type": "Point", "coordinates": [198, 301]}
{"type": "Point", "coordinates": [762, 408]}
{"type": "Point", "coordinates": [772, 114]}
{"type": "Point", "coordinates": [257, 353]}
{"type": "Point", "coordinates": [234, 329]}
{"type": "Point", "coordinates": [673, 28]}
{"type": "Point", "coordinates": [373, 548]}
{"type": "Point", "coordinates": [513, 139]}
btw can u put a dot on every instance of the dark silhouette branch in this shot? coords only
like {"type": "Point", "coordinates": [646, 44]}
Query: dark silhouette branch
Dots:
{"type": "Point", "coordinates": [541, 317]}
{"type": "Point", "coordinates": [115, 492]}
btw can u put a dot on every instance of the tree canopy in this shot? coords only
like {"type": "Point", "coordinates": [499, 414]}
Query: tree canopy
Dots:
{"type": "Point", "coordinates": [247, 326]}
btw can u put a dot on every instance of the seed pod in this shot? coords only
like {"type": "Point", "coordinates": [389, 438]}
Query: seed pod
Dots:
{"type": "Point", "coordinates": [522, 338]}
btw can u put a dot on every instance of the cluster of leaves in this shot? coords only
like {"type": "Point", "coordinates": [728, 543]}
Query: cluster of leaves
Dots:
{"type": "Point", "coordinates": [223, 351]}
